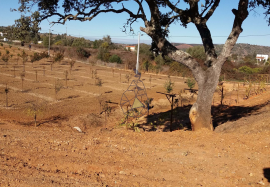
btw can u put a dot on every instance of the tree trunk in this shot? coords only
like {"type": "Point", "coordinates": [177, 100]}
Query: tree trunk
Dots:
{"type": "Point", "coordinates": [200, 112]}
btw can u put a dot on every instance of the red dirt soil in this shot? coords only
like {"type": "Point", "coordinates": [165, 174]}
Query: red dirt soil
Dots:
{"type": "Point", "coordinates": [237, 153]}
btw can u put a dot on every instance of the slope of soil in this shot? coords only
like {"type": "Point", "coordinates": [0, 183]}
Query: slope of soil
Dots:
{"type": "Point", "coordinates": [108, 154]}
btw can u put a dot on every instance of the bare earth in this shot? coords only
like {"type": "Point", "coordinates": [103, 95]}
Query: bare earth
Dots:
{"type": "Point", "coordinates": [237, 153]}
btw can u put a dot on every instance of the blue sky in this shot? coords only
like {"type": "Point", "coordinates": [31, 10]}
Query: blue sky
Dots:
{"type": "Point", "coordinates": [219, 24]}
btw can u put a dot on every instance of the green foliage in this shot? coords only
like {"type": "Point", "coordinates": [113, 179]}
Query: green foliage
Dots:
{"type": "Point", "coordinates": [249, 70]}
{"type": "Point", "coordinates": [168, 85]}
{"type": "Point", "coordinates": [178, 68]}
{"type": "Point", "coordinates": [58, 57]}
{"type": "Point", "coordinates": [46, 41]}
{"type": "Point", "coordinates": [81, 42]}
{"type": "Point", "coordinates": [190, 83]}
{"type": "Point", "coordinates": [103, 52]}
{"type": "Point", "coordinates": [24, 57]}
{"type": "Point", "coordinates": [60, 42]}
{"type": "Point", "coordinates": [68, 41]}
{"type": "Point", "coordinates": [26, 28]}
{"type": "Point", "coordinates": [146, 66]}
{"type": "Point", "coordinates": [7, 51]}
{"type": "Point", "coordinates": [145, 50]}
{"type": "Point", "coordinates": [38, 56]}
{"type": "Point", "coordinates": [250, 59]}
{"type": "Point", "coordinates": [115, 58]}
{"type": "Point", "coordinates": [82, 53]}
{"type": "Point", "coordinates": [197, 52]}
{"type": "Point", "coordinates": [97, 44]}
{"type": "Point", "coordinates": [1, 44]}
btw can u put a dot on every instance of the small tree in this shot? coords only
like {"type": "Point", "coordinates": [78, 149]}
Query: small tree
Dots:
{"type": "Point", "coordinates": [107, 110]}
{"type": "Point", "coordinates": [66, 76]}
{"type": "Point", "coordinates": [34, 110]}
{"type": "Point", "coordinates": [150, 79]}
{"type": "Point", "coordinates": [57, 87]}
{"type": "Point", "coordinates": [190, 83]}
{"type": "Point", "coordinates": [6, 91]}
{"type": "Point", "coordinates": [168, 85]}
{"type": "Point", "coordinates": [71, 63]}
{"type": "Point", "coordinates": [24, 57]}
{"type": "Point", "coordinates": [58, 57]}
{"type": "Point", "coordinates": [128, 76]}
{"type": "Point", "coordinates": [22, 75]}
{"type": "Point", "coordinates": [5, 58]}
{"type": "Point", "coordinates": [98, 83]}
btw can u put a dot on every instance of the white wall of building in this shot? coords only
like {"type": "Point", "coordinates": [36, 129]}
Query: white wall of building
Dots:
{"type": "Point", "coordinates": [261, 57]}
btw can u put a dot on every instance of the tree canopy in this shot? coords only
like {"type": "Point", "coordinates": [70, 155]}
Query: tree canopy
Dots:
{"type": "Point", "coordinates": [27, 27]}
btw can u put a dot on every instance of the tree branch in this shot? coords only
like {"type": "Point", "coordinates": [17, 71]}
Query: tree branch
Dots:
{"type": "Point", "coordinates": [211, 11]}
{"type": "Point", "coordinates": [240, 15]}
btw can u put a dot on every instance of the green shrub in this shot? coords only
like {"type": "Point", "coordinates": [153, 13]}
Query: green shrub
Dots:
{"type": "Point", "coordinates": [82, 53]}
{"type": "Point", "coordinates": [7, 51]}
{"type": "Point", "coordinates": [190, 83]}
{"type": "Point", "coordinates": [197, 52]}
{"type": "Point", "coordinates": [1, 44]}
{"type": "Point", "coordinates": [168, 85]}
{"type": "Point", "coordinates": [249, 70]}
{"type": "Point", "coordinates": [115, 58]}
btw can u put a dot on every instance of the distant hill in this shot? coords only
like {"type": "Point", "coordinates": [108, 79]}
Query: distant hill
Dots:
{"type": "Point", "coordinates": [183, 46]}
{"type": "Point", "coordinates": [240, 49]}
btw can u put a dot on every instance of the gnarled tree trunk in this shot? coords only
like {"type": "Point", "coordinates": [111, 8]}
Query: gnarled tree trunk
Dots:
{"type": "Point", "coordinates": [200, 112]}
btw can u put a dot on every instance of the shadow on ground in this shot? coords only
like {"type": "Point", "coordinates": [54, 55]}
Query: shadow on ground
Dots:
{"type": "Point", "coordinates": [266, 173]}
{"type": "Point", "coordinates": [220, 114]}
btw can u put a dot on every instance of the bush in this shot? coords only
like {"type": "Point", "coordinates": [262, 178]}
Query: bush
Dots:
{"type": "Point", "coordinates": [1, 44]}
{"type": "Point", "coordinates": [38, 56]}
{"type": "Point", "coordinates": [82, 53]}
{"type": "Point", "coordinates": [249, 70]}
{"type": "Point", "coordinates": [58, 43]}
{"type": "Point", "coordinates": [115, 58]}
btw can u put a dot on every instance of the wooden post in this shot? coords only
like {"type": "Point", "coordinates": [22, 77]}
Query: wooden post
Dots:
{"type": "Point", "coordinates": [238, 94]}
{"type": "Point", "coordinates": [171, 115]}
{"type": "Point", "coordinates": [36, 75]}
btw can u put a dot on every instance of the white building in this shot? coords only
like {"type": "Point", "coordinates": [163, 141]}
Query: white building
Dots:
{"type": "Point", "coordinates": [131, 47]}
{"type": "Point", "coordinates": [5, 39]}
{"type": "Point", "coordinates": [260, 57]}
